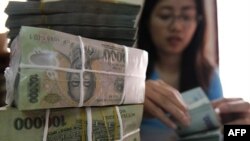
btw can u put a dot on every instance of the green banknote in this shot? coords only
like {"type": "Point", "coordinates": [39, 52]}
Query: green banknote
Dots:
{"type": "Point", "coordinates": [87, 19]}
{"type": "Point", "coordinates": [79, 6]}
{"type": "Point", "coordinates": [72, 124]}
{"type": "Point", "coordinates": [203, 116]}
{"type": "Point", "coordinates": [50, 69]}
{"type": "Point", "coordinates": [89, 32]}
{"type": "Point", "coordinates": [131, 2]}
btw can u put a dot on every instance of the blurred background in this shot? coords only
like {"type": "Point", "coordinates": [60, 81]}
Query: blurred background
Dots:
{"type": "Point", "coordinates": [234, 47]}
{"type": "Point", "coordinates": [233, 38]}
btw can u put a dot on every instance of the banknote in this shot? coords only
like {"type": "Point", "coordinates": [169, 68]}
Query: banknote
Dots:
{"type": "Point", "coordinates": [132, 2]}
{"type": "Point", "coordinates": [72, 124]}
{"type": "Point", "coordinates": [51, 69]}
{"type": "Point", "coordinates": [89, 32]}
{"type": "Point", "coordinates": [72, 6]}
{"type": "Point", "coordinates": [203, 116]}
{"type": "Point", "coordinates": [129, 43]}
{"type": "Point", "coordinates": [211, 135]}
{"type": "Point", "coordinates": [87, 19]}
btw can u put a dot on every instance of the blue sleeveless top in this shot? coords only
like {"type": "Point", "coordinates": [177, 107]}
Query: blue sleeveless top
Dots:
{"type": "Point", "coordinates": [155, 130]}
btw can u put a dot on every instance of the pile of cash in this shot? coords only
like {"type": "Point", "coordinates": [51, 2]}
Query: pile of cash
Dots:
{"type": "Point", "coordinates": [69, 75]}
{"type": "Point", "coordinates": [205, 124]}
{"type": "Point", "coordinates": [74, 74]}
{"type": "Point", "coordinates": [55, 70]}
{"type": "Point", "coordinates": [109, 20]}
{"type": "Point", "coordinates": [113, 123]}
{"type": "Point", "coordinates": [52, 69]}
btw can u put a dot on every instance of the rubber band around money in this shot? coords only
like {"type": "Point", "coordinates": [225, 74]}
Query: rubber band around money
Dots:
{"type": "Point", "coordinates": [105, 124]}
{"type": "Point", "coordinates": [130, 133]}
{"type": "Point", "coordinates": [75, 70]}
{"type": "Point", "coordinates": [81, 73]}
{"type": "Point", "coordinates": [120, 121]}
{"type": "Point", "coordinates": [126, 61]}
{"type": "Point", "coordinates": [116, 122]}
{"type": "Point", "coordinates": [89, 123]}
{"type": "Point", "coordinates": [46, 126]}
{"type": "Point", "coordinates": [49, 67]}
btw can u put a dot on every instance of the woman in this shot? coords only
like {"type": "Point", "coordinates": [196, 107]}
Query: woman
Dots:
{"type": "Point", "coordinates": [173, 32]}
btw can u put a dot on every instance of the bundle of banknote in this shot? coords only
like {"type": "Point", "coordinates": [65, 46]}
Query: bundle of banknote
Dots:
{"type": "Point", "coordinates": [211, 135]}
{"type": "Point", "coordinates": [72, 124]}
{"type": "Point", "coordinates": [51, 69]}
{"type": "Point", "coordinates": [108, 20]}
{"type": "Point", "coordinates": [108, 33]}
{"type": "Point", "coordinates": [205, 124]}
{"type": "Point", "coordinates": [131, 2]}
{"type": "Point", "coordinates": [55, 64]}
{"type": "Point", "coordinates": [72, 6]}
{"type": "Point", "coordinates": [78, 19]}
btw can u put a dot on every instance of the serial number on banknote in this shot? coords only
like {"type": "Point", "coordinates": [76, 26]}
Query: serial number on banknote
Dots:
{"type": "Point", "coordinates": [43, 38]}
{"type": "Point", "coordinates": [38, 122]}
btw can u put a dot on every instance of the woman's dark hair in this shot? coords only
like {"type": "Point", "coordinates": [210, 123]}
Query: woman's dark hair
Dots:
{"type": "Point", "coordinates": [196, 70]}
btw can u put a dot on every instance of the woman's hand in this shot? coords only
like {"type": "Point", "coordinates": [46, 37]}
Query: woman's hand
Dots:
{"type": "Point", "coordinates": [161, 100]}
{"type": "Point", "coordinates": [233, 110]}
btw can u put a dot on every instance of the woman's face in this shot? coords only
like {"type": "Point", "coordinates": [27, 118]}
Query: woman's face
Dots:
{"type": "Point", "coordinates": [172, 25]}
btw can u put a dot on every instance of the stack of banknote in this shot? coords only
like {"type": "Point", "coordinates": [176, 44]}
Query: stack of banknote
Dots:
{"type": "Point", "coordinates": [205, 124]}
{"type": "Point", "coordinates": [73, 74]}
{"type": "Point", "coordinates": [94, 89]}
{"type": "Point", "coordinates": [72, 124]}
{"type": "Point", "coordinates": [52, 69]}
{"type": "Point", "coordinates": [109, 20]}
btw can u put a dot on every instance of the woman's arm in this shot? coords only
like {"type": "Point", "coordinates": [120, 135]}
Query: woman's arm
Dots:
{"type": "Point", "coordinates": [230, 110]}
{"type": "Point", "coordinates": [162, 100]}
{"type": "Point", "coordinates": [233, 110]}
